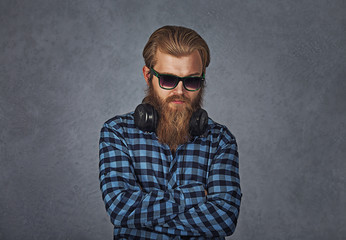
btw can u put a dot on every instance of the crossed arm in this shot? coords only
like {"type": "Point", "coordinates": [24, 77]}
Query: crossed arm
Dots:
{"type": "Point", "coordinates": [186, 210]}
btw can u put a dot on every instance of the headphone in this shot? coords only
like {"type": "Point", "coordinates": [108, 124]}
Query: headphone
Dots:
{"type": "Point", "coordinates": [146, 119]}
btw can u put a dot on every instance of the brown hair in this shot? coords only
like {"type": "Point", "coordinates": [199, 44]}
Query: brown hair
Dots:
{"type": "Point", "coordinates": [176, 41]}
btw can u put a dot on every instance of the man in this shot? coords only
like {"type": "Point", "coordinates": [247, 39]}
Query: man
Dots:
{"type": "Point", "coordinates": [170, 181]}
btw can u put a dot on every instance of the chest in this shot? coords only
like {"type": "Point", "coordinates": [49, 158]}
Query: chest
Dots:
{"type": "Point", "coordinates": [156, 167]}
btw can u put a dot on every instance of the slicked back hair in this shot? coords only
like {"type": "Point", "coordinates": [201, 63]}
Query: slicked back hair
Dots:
{"type": "Point", "coordinates": [176, 41]}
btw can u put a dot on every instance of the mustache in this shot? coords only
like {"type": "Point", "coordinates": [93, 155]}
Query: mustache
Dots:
{"type": "Point", "coordinates": [177, 98]}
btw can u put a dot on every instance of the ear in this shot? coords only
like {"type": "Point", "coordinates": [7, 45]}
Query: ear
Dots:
{"type": "Point", "coordinates": [146, 74]}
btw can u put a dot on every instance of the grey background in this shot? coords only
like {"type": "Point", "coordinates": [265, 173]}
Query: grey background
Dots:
{"type": "Point", "coordinates": [276, 79]}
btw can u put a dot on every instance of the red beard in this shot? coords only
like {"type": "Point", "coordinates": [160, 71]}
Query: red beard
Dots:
{"type": "Point", "coordinates": [173, 125]}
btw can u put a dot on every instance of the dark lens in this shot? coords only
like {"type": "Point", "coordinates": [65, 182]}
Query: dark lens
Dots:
{"type": "Point", "coordinates": [168, 81]}
{"type": "Point", "coordinates": [193, 83]}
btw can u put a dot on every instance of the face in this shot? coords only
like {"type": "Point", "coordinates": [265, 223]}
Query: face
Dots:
{"type": "Point", "coordinates": [190, 65]}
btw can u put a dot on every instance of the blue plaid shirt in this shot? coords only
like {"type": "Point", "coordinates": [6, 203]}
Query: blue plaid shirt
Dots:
{"type": "Point", "coordinates": [150, 193]}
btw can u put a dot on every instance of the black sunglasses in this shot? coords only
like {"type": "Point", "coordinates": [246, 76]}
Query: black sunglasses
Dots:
{"type": "Point", "coordinates": [169, 82]}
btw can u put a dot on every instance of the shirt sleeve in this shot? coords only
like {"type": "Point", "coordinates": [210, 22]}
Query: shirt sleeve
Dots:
{"type": "Point", "coordinates": [127, 204]}
{"type": "Point", "coordinates": [217, 217]}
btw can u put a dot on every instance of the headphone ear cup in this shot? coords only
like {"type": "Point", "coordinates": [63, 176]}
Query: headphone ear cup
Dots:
{"type": "Point", "coordinates": [146, 117]}
{"type": "Point", "coordinates": [198, 122]}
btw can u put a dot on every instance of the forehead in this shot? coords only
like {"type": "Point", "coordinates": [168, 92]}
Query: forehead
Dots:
{"type": "Point", "coordinates": [180, 66]}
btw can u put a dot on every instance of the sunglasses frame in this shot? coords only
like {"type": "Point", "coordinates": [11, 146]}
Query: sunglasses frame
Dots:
{"type": "Point", "coordinates": [158, 75]}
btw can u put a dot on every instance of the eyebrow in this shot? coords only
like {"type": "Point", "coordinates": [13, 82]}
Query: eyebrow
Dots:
{"type": "Point", "coordinates": [190, 75]}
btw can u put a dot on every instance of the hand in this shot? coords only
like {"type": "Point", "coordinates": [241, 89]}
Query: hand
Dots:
{"type": "Point", "coordinates": [206, 193]}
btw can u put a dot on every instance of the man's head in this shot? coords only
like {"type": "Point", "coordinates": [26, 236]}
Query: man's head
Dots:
{"type": "Point", "coordinates": [177, 51]}
{"type": "Point", "coordinates": [180, 52]}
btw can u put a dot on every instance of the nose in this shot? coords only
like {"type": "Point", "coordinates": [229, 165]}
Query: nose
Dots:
{"type": "Point", "coordinates": [179, 89]}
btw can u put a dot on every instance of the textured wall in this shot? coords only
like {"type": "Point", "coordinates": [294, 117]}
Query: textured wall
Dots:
{"type": "Point", "coordinates": [276, 79]}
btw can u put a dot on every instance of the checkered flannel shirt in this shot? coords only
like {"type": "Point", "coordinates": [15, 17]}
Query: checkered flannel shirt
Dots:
{"type": "Point", "coordinates": [150, 193]}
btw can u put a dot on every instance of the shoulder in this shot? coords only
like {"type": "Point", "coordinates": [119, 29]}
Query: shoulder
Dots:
{"type": "Point", "coordinates": [118, 122]}
{"type": "Point", "coordinates": [219, 132]}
